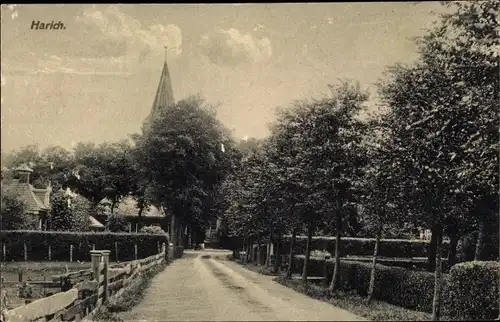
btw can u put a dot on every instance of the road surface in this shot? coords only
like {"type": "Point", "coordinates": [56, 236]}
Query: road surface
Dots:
{"type": "Point", "coordinates": [197, 288]}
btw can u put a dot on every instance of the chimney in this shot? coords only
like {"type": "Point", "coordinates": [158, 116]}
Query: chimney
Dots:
{"type": "Point", "coordinates": [23, 171]}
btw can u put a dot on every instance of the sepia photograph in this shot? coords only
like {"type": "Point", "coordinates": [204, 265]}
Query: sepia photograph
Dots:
{"type": "Point", "coordinates": [333, 161]}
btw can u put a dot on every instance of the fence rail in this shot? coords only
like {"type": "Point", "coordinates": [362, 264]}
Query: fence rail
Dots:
{"type": "Point", "coordinates": [87, 289]}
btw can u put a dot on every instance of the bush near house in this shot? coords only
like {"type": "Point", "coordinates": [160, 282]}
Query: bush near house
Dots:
{"type": "Point", "coordinates": [470, 290]}
{"type": "Point", "coordinates": [399, 248]}
{"type": "Point", "coordinates": [38, 245]}
{"type": "Point", "coordinates": [152, 230]}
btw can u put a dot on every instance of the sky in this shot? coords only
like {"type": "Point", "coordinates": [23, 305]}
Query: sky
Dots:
{"type": "Point", "coordinates": [95, 80]}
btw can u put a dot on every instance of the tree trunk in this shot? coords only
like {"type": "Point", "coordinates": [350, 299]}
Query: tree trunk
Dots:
{"type": "Point", "coordinates": [371, 287]}
{"type": "Point", "coordinates": [277, 256]}
{"type": "Point", "coordinates": [307, 254]}
{"type": "Point", "coordinates": [113, 205]}
{"type": "Point", "coordinates": [436, 302]}
{"type": "Point", "coordinates": [172, 230]}
{"type": "Point", "coordinates": [290, 260]}
{"type": "Point", "coordinates": [431, 260]}
{"type": "Point", "coordinates": [480, 240]}
{"type": "Point", "coordinates": [336, 269]}
{"type": "Point", "coordinates": [268, 260]}
{"type": "Point", "coordinates": [259, 251]}
{"type": "Point", "coordinates": [452, 255]}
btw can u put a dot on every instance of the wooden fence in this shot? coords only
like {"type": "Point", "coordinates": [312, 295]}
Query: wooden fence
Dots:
{"type": "Point", "coordinates": [85, 290]}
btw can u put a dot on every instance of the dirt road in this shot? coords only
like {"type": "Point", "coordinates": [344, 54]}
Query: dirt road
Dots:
{"type": "Point", "coordinates": [197, 288]}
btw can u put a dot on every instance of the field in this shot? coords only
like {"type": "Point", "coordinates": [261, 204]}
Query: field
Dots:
{"type": "Point", "coordinates": [34, 271]}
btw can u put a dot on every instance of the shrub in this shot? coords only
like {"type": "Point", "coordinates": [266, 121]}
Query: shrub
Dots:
{"type": "Point", "coordinates": [400, 248]}
{"type": "Point", "coordinates": [472, 291]}
{"type": "Point", "coordinates": [394, 285]}
{"type": "Point", "coordinates": [13, 214]}
{"type": "Point", "coordinates": [152, 230]}
{"type": "Point", "coordinates": [38, 242]}
{"type": "Point", "coordinates": [117, 224]}
{"type": "Point", "coordinates": [69, 216]}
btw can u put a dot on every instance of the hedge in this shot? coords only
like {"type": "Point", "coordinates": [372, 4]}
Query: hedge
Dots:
{"type": "Point", "coordinates": [472, 291]}
{"type": "Point", "coordinates": [400, 248]}
{"type": "Point", "coordinates": [38, 242]}
{"type": "Point", "coordinates": [469, 292]}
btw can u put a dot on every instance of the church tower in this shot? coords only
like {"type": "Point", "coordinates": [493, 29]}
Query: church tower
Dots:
{"type": "Point", "coordinates": [164, 94]}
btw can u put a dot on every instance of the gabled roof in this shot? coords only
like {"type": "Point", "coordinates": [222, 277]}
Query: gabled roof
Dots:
{"type": "Point", "coordinates": [94, 223]}
{"type": "Point", "coordinates": [35, 199]}
{"type": "Point", "coordinates": [128, 207]}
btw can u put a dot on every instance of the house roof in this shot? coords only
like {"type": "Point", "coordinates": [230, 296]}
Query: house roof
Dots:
{"type": "Point", "coordinates": [128, 207]}
{"type": "Point", "coordinates": [35, 199]}
{"type": "Point", "coordinates": [94, 223]}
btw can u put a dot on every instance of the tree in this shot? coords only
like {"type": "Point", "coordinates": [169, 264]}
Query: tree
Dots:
{"type": "Point", "coordinates": [187, 152]}
{"type": "Point", "coordinates": [103, 171]}
{"type": "Point", "coordinates": [69, 213]}
{"type": "Point", "coordinates": [14, 216]}
{"type": "Point", "coordinates": [443, 111]}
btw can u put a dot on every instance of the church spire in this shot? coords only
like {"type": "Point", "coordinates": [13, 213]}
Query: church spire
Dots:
{"type": "Point", "coordinates": [164, 94]}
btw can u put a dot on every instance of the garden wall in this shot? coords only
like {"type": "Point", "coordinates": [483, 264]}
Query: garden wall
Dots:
{"type": "Point", "coordinates": [63, 246]}
{"type": "Point", "coordinates": [399, 248]}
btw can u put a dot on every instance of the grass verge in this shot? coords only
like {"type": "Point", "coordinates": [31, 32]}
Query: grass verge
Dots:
{"type": "Point", "coordinates": [261, 269]}
{"type": "Point", "coordinates": [130, 297]}
{"type": "Point", "coordinates": [352, 302]}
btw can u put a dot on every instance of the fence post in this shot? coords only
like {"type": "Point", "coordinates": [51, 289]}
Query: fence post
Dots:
{"type": "Point", "coordinates": [50, 252]}
{"type": "Point", "coordinates": [4, 251]}
{"type": "Point", "coordinates": [20, 273]}
{"type": "Point", "coordinates": [158, 247]}
{"type": "Point", "coordinates": [171, 252]}
{"type": "Point", "coordinates": [135, 251]}
{"type": "Point", "coordinates": [96, 259]}
{"type": "Point", "coordinates": [105, 259]}
{"type": "Point", "coordinates": [116, 252]}
{"type": "Point", "coordinates": [71, 253]}
{"type": "Point", "coordinates": [164, 250]}
{"type": "Point", "coordinates": [25, 251]}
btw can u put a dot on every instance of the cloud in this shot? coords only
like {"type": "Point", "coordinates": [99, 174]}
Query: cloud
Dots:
{"type": "Point", "coordinates": [230, 47]}
{"type": "Point", "coordinates": [127, 36]}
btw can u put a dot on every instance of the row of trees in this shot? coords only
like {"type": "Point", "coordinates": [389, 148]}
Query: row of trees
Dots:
{"type": "Point", "coordinates": [428, 158]}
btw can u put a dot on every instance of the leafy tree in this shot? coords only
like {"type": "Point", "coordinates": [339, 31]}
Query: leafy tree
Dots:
{"type": "Point", "coordinates": [14, 216]}
{"type": "Point", "coordinates": [103, 171]}
{"type": "Point", "coordinates": [187, 152]}
{"type": "Point", "coordinates": [445, 121]}
{"type": "Point", "coordinates": [69, 213]}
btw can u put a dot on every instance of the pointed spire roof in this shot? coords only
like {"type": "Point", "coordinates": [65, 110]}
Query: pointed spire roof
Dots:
{"type": "Point", "coordinates": [164, 94]}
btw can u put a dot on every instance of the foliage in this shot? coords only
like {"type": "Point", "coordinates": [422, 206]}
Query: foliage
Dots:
{"type": "Point", "coordinates": [14, 214]}
{"type": "Point", "coordinates": [69, 213]}
{"type": "Point", "coordinates": [407, 288]}
{"type": "Point", "coordinates": [152, 230]}
{"type": "Point", "coordinates": [103, 171]}
{"type": "Point", "coordinates": [187, 153]}
{"type": "Point", "coordinates": [117, 223]}
{"type": "Point", "coordinates": [54, 164]}
{"type": "Point", "coordinates": [38, 242]}
{"type": "Point", "coordinates": [472, 291]}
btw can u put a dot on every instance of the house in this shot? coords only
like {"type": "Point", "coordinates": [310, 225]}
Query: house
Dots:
{"type": "Point", "coordinates": [37, 200]}
{"type": "Point", "coordinates": [127, 208]}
